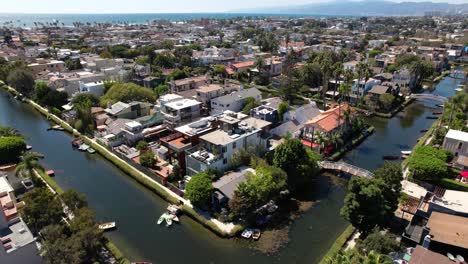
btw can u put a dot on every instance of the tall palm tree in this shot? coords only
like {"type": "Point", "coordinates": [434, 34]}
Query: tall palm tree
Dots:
{"type": "Point", "coordinates": [335, 139]}
{"type": "Point", "coordinates": [9, 132]}
{"type": "Point", "coordinates": [337, 71]}
{"type": "Point", "coordinates": [29, 162]}
{"type": "Point", "coordinates": [325, 62]}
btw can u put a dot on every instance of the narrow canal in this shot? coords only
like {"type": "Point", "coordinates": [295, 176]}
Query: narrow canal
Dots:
{"type": "Point", "coordinates": [114, 196]}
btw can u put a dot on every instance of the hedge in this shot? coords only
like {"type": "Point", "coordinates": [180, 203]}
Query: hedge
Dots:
{"type": "Point", "coordinates": [338, 244]}
{"type": "Point", "coordinates": [115, 251]}
{"type": "Point", "coordinates": [451, 184]}
{"type": "Point", "coordinates": [11, 148]}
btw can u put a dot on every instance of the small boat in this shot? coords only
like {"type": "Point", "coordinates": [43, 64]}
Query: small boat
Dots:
{"type": "Point", "coordinates": [458, 89]}
{"type": "Point", "coordinates": [161, 218]}
{"type": "Point", "coordinates": [390, 157]}
{"type": "Point", "coordinates": [440, 105]}
{"type": "Point", "coordinates": [173, 209]}
{"type": "Point", "coordinates": [50, 173]}
{"type": "Point", "coordinates": [77, 142]}
{"type": "Point", "coordinates": [432, 117]}
{"type": "Point", "coordinates": [406, 152]}
{"type": "Point", "coordinates": [175, 218]}
{"type": "Point", "coordinates": [91, 150]}
{"type": "Point", "coordinates": [423, 130]}
{"type": "Point", "coordinates": [83, 147]}
{"type": "Point", "coordinates": [256, 234]}
{"type": "Point", "coordinates": [437, 113]}
{"type": "Point", "coordinates": [168, 221]}
{"type": "Point", "coordinates": [28, 147]}
{"type": "Point", "coordinates": [247, 233]}
{"type": "Point", "coordinates": [107, 226]}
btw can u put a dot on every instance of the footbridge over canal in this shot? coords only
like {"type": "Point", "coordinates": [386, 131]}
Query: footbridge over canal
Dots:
{"type": "Point", "coordinates": [430, 97]}
{"type": "Point", "coordinates": [347, 168]}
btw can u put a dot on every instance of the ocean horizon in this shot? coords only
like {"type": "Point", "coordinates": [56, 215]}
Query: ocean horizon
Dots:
{"type": "Point", "coordinates": [27, 20]}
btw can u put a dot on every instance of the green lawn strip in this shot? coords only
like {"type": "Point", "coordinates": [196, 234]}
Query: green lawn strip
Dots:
{"type": "Point", "coordinates": [115, 251]}
{"type": "Point", "coordinates": [338, 244]}
{"type": "Point", "coordinates": [50, 181]}
{"type": "Point", "coordinates": [422, 140]}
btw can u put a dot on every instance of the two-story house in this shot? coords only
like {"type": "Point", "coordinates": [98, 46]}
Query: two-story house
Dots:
{"type": "Point", "coordinates": [178, 110]}
{"type": "Point", "coordinates": [456, 141]}
{"type": "Point", "coordinates": [234, 101]}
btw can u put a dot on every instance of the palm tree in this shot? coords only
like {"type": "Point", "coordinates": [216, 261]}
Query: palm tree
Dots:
{"type": "Point", "coordinates": [320, 139]}
{"type": "Point", "coordinates": [29, 162]}
{"type": "Point", "coordinates": [324, 59]}
{"type": "Point", "coordinates": [260, 63]}
{"type": "Point", "coordinates": [335, 139]}
{"type": "Point", "coordinates": [9, 132]}
{"type": "Point", "coordinates": [337, 71]}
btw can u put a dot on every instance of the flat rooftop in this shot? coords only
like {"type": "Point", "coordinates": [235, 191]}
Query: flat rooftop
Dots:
{"type": "Point", "coordinates": [19, 234]}
{"type": "Point", "coordinates": [195, 128]}
{"type": "Point", "coordinates": [454, 200]}
{"type": "Point", "coordinates": [181, 104]}
{"type": "Point", "coordinates": [457, 135]}
{"type": "Point", "coordinates": [449, 229]}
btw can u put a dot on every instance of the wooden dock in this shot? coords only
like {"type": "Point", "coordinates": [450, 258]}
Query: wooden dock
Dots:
{"type": "Point", "coordinates": [347, 168]}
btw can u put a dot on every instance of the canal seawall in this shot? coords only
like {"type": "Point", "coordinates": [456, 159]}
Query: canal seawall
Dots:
{"type": "Point", "coordinates": [217, 227]}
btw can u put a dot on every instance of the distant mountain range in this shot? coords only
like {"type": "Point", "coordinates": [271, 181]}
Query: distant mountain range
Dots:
{"type": "Point", "coordinates": [363, 8]}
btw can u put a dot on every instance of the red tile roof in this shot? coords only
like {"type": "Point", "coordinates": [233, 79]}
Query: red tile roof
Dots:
{"type": "Point", "coordinates": [328, 120]}
{"type": "Point", "coordinates": [243, 64]}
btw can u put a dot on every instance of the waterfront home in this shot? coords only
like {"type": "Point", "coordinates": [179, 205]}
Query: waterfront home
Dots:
{"type": "Point", "coordinates": [236, 131]}
{"type": "Point", "coordinates": [294, 120]}
{"type": "Point", "coordinates": [440, 233]}
{"type": "Point", "coordinates": [227, 184]}
{"type": "Point", "coordinates": [421, 255]}
{"type": "Point", "coordinates": [70, 82]}
{"type": "Point", "coordinates": [129, 110]}
{"type": "Point", "coordinates": [377, 91]}
{"type": "Point", "coordinates": [456, 141]}
{"type": "Point", "coordinates": [186, 137]}
{"type": "Point", "coordinates": [327, 123]}
{"type": "Point", "coordinates": [18, 243]}
{"type": "Point", "coordinates": [234, 101]}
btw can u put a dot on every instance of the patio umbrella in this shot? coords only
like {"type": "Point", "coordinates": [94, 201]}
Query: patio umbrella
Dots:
{"type": "Point", "coordinates": [464, 174]}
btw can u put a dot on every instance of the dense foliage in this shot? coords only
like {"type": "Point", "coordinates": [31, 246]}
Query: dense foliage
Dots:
{"type": "Point", "coordinates": [199, 190]}
{"type": "Point", "coordinates": [428, 163]}
{"type": "Point", "coordinates": [127, 92]}
{"type": "Point", "coordinates": [11, 147]}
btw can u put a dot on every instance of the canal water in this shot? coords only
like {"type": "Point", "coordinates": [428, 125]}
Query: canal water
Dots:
{"type": "Point", "coordinates": [114, 196]}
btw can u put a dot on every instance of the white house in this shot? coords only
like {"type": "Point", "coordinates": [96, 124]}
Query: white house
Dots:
{"type": "Point", "coordinates": [96, 88]}
{"type": "Point", "coordinates": [456, 141]}
{"type": "Point", "coordinates": [234, 101]}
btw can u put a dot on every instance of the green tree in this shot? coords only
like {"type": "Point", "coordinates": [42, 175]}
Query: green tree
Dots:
{"type": "Point", "coordinates": [148, 159]}
{"type": "Point", "coordinates": [127, 92]}
{"type": "Point", "coordinates": [105, 54]}
{"type": "Point", "coordinates": [9, 132]}
{"type": "Point", "coordinates": [74, 200]}
{"type": "Point", "coordinates": [85, 98]}
{"type": "Point", "coordinates": [249, 104]}
{"type": "Point", "coordinates": [283, 107]}
{"type": "Point", "coordinates": [11, 148]}
{"type": "Point", "coordinates": [41, 209]}
{"type": "Point", "coordinates": [386, 100]}
{"type": "Point", "coordinates": [365, 205]}
{"type": "Point", "coordinates": [379, 243]}
{"type": "Point", "coordinates": [22, 80]}
{"type": "Point", "coordinates": [428, 163]}
{"type": "Point", "coordinates": [298, 162]}
{"type": "Point", "coordinates": [29, 162]}
{"type": "Point", "coordinates": [199, 190]}
{"type": "Point", "coordinates": [142, 145]}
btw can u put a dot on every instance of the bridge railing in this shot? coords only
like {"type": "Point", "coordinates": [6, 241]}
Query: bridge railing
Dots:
{"type": "Point", "coordinates": [343, 166]}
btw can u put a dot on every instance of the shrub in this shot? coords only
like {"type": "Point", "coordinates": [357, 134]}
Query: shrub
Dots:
{"type": "Point", "coordinates": [11, 148]}
{"type": "Point", "coordinates": [199, 190]}
{"type": "Point", "coordinates": [148, 159]}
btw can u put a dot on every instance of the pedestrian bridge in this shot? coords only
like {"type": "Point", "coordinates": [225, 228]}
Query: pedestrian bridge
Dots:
{"type": "Point", "coordinates": [430, 97]}
{"type": "Point", "coordinates": [347, 168]}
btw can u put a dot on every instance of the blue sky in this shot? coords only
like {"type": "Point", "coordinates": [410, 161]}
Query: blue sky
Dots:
{"type": "Point", "coordinates": [144, 6]}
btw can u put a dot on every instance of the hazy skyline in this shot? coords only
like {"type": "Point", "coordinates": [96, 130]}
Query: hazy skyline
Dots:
{"type": "Point", "coordinates": [147, 6]}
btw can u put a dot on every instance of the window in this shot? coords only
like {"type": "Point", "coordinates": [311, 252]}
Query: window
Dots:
{"type": "Point", "coordinates": [224, 161]}
{"type": "Point", "coordinates": [227, 105]}
{"type": "Point", "coordinates": [224, 149]}
{"type": "Point", "coordinates": [460, 145]}
{"type": "Point", "coordinates": [234, 145]}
